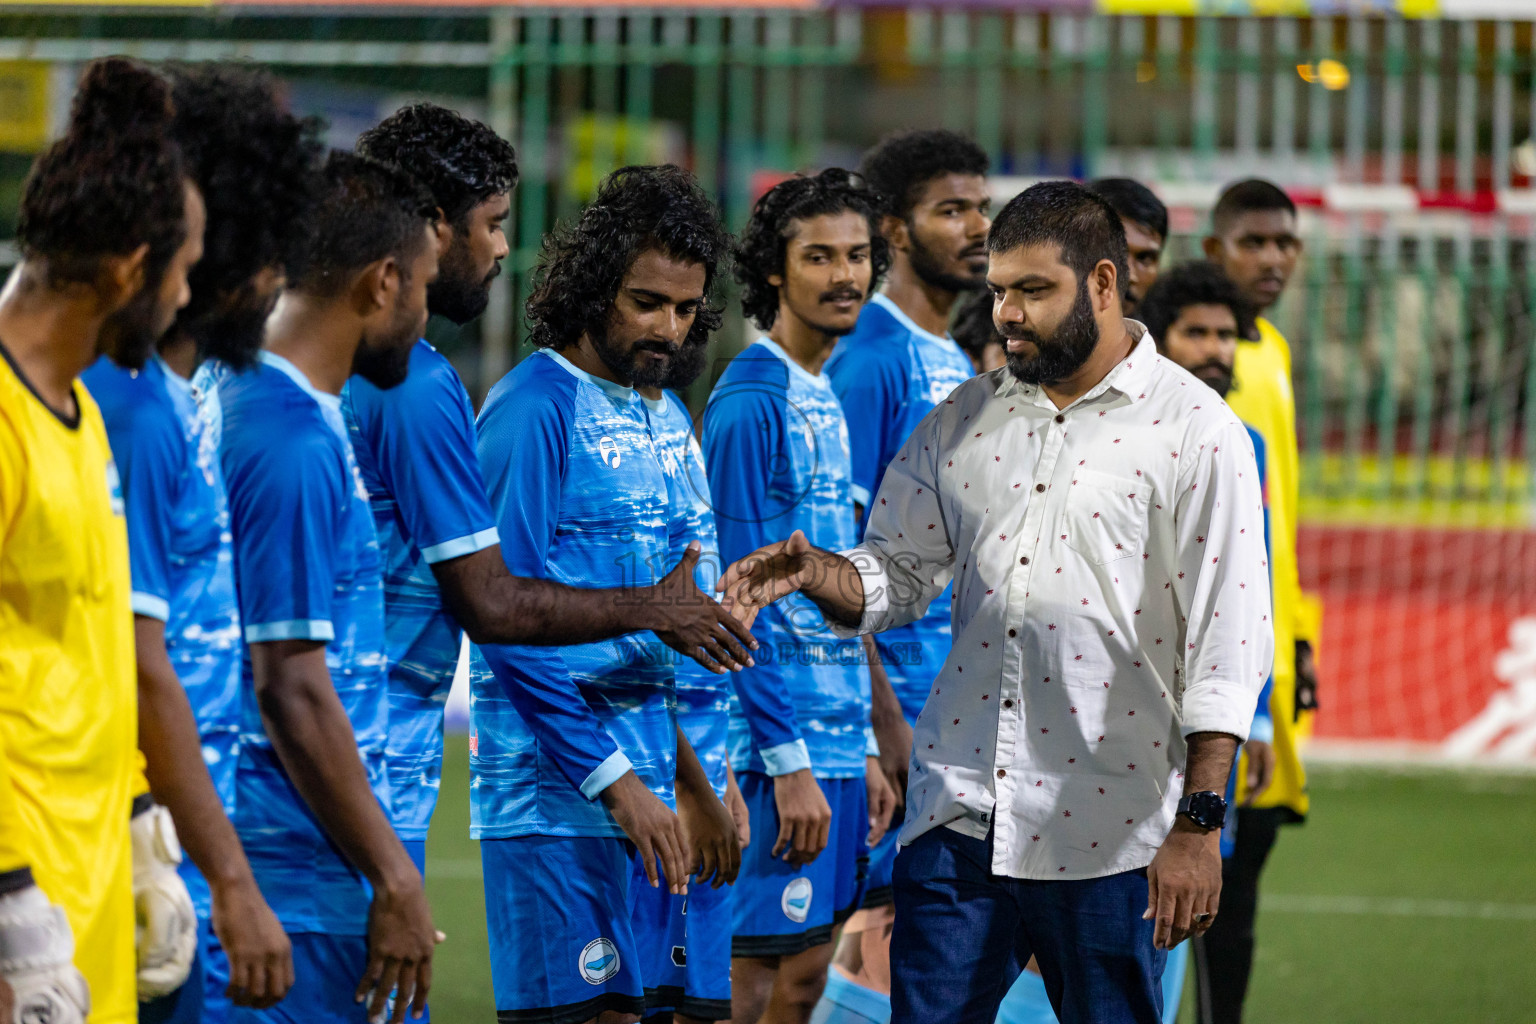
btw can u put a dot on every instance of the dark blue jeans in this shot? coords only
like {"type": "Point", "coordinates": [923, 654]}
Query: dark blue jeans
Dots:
{"type": "Point", "coordinates": [963, 935]}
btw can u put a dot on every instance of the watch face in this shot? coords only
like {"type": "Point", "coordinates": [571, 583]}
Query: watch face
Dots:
{"type": "Point", "coordinates": [1207, 809]}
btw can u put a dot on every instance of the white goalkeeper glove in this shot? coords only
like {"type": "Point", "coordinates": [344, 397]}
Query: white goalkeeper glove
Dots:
{"type": "Point", "coordinates": [167, 923]}
{"type": "Point", "coordinates": [37, 951]}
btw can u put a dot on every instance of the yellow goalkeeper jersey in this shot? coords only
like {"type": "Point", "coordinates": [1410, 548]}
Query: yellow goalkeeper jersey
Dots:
{"type": "Point", "coordinates": [68, 697]}
{"type": "Point", "coordinates": [1261, 396]}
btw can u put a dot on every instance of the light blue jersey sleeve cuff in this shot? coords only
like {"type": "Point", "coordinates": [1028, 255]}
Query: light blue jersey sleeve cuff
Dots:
{"type": "Point", "coordinates": [606, 774]}
{"type": "Point", "coordinates": [319, 630]}
{"type": "Point", "coordinates": [860, 494]}
{"type": "Point", "coordinates": [1263, 729]}
{"type": "Point", "coordinates": [150, 606]}
{"type": "Point", "coordinates": [461, 546]}
{"type": "Point", "coordinates": [871, 745]}
{"type": "Point", "coordinates": [788, 757]}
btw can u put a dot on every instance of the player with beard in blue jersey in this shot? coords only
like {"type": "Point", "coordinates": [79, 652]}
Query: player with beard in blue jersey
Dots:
{"type": "Point", "coordinates": [777, 448]}
{"type": "Point", "coordinates": [254, 164]}
{"type": "Point", "coordinates": [699, 988]}
{"type": "Point", "coordinates": [575, 753]}
{"type": "Point", "coordinates": [415, 444]}
{"type": "Point", "coordinates": [311, 791]}
{"type": "Point", "coordinates": [896, 365]}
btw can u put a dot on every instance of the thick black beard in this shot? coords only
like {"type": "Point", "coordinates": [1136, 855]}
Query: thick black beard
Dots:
{"type": "Point", "coordinates": [384, 366]}
{"type": "Point", "coordinates": [929, 269]}
{"type": "Point", "coordinates": [128, 336]}
{"type": "Point", "coordinates": [233, 336]}
{"type": "Point", "coordinates": [455, 294]}
{"type": "Point", "coordinates": [1064, 352]}
{"type": "Point", "coordinates": [626, 365]}
{"type": "Point", "coordinates": [687, 364]}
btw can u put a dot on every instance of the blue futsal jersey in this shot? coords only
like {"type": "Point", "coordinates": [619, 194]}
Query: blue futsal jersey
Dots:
{"type": "Point", "coordinates": [307, 567]}
{"type": "Point", "coordinates": [180, 552]}
{"type": "Point", "coordinates": [415, 447]}
{"type": "Point", "coordinates": [579, 497]}
{"type": "Point", "coordinates": [776, 447]}
{"type": "Point", "coordinates": [703, 698]}
{"type": "Point", "coordinates": [888, 374]}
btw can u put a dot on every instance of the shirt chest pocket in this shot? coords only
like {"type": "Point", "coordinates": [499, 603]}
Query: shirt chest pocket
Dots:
{"type": "Point", "coordinates": [1105, 518]}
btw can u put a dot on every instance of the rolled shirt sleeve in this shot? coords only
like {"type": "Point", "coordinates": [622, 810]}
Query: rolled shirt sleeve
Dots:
{"type": "Point", "coordinates": [1222, 588]}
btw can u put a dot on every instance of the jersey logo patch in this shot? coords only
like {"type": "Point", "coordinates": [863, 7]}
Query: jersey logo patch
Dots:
{"type": "Point", "coordinates": [608, 451]}
{"type": "Point", "coordinates": [599, 961]}
{"type": "Point", "coordinates": [796, 900]}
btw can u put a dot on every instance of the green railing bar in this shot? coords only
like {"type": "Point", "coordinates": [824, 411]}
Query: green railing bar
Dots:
{"type": "Point", "coordinates": [1458, 390]}
{"type": "Point", "coordinates": [989, 86]}
{"type": "Point", "coordinates": [1352, 339]}
{"type": "Point", "coordinates": [778, 100]}
{"type": "Point", "coordinates": [1498, 385]}
{"type": "Point", "coordinates": [709, 29]}
{"type": "Point", "coordinates": [1385, 287]}
{"type": "Point", "coordinates": [1424, 379]}
{"type": "Point", "coordinates": [1314, 408]}
{"type": "Point", "coordinates": [741, 105]}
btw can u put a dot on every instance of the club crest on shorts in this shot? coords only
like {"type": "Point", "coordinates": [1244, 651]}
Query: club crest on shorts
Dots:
{"type": "Point", "coordinates": [796, 901]}
{"type": "Point", "coordinates": [599, 961]}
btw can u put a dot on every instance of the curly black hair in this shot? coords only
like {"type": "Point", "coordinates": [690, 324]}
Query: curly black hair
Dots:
{"type": "Point", "coordinates": [113, 182]}
{"type": "Point", "coordinates": [461, 162]}
{"type": "Point", "coordinates": [258, 168]}
{"type": "Point", "coordinates": [1196, 283]}
{"type": "Point", "coordinates": [900, 165]}
{"type": "Point", "coordinates": [367, 210]}
{"type": "Point", "coordinates": [1082, 222]}
{"type": "Point", "coordinates": [582, 265]}
{"type": "Point", "coordinates": [765, 240]}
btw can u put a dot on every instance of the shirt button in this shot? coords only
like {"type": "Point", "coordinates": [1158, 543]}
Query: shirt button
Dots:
{"type": "Point", "coordinates": [1013, 632]}
{"type": "Point", "coordinates": [1061, 419]}
{"type": "Point", "coordinates": [1001, 773]}
{"type": "Point", "coordinates": [1024, 560]}
{"type": "Point", "coordinates": [1040, 488]}
{"type": "Point", "coordinates": [1007, 703]}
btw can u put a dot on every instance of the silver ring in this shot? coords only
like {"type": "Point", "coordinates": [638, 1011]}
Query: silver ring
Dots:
{"type": "Point", "coordinates": [1202, 918]}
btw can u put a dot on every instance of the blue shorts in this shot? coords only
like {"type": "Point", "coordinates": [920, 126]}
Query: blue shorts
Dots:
{"type": "Point", "coordinates": [779, 909]}
{"type": "Point", "coordinates": [882, 859]}
{"type": "Point", "coordinates": [326, 970]}
{"type": "Point", "coordinates": [694, 977]}
{"type": "Point", "coordinates": [417, 848]}
{"type": "Point", "coordinates": [215, 979]}
{"type": "Point", "coordinates": [575, 929]}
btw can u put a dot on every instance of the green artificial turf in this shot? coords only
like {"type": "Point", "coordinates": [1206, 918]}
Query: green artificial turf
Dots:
{"type": "Point", "coordinates": [1407, 897]}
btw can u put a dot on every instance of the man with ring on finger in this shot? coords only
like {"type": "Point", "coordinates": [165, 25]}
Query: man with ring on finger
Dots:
{"type": "Point", "coordinates": [1099, 512]}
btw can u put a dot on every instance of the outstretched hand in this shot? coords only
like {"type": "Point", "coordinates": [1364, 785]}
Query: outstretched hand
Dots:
{"type": "Point", "coordinates": [695, 625]}
{"type": "Point", "coordinates": [756, 581]}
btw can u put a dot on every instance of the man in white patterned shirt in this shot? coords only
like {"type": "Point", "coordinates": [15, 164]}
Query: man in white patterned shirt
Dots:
{"type": "Point", "coordinates": [1099, 512]}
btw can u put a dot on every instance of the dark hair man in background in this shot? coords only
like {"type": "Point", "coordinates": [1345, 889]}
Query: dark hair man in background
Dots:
{"type": "Point", "coordinates": [1145, 220]}
{"type": "Point", "coordinates": [255, 166]}
{"type": "Point", "coordinates": [1254, 240]}
{"type": "Point", "coordinates": [777, 449]}
{"type": "Point", "coordinates": [311, 789]}
{"type": "Point", "coordinates": [897, 364]}
{"type": "Point", "coordinates": [577, 761]}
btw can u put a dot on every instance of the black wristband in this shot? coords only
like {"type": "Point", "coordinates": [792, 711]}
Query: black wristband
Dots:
{"type": "Point", "coordinates": [141, 803]}
{"type": "Point", "coordinates": [15, 881]}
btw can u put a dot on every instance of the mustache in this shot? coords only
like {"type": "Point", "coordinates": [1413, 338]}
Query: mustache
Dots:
{"type": "Point", "coordinates": [970, 252]}
{"type": "Point", "coordinates": [495, 272]}
{"type": "Point", "coordinates": [839, 294]}
{"type": "Point", "coordinates": [1018, 332]}
{"type": "Point", "coordinates": [1215, 365]}
{"type": "Point", "coordinates": [659, 347]}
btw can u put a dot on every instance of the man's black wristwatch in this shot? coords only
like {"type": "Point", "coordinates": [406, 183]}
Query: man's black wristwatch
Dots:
{"type": "Point", "coordinates": [1206, 809]}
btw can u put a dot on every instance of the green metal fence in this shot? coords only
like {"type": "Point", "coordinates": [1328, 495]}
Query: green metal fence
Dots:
{"type": "Point", "coordinates": [1412, 332]}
